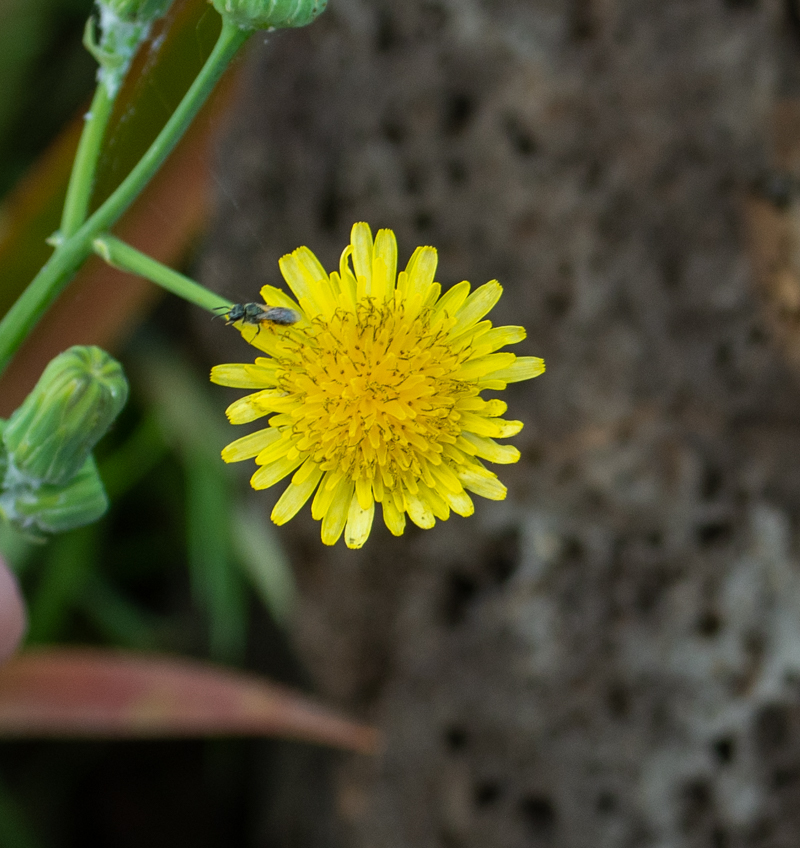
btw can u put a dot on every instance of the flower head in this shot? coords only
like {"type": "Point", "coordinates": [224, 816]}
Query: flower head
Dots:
{"type": "Point", "coordinates": [374, 395]}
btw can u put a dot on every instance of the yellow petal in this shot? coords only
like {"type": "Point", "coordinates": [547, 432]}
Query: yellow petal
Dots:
{"type": "Point", "coordinates": [335, 518]}
{"type": "Point", "coordinates": [490, 408]}
{"type": "Point", "coordinates": [380, 280]}
{"type": "Point", "coordinates": [251, 445]}
{"type": "Point", "coordinates": [413, 305]}
{"type": "Point", "coordinates": [484, 365]}
{"type": "Point", "coordinates": [421, 270]}
{"type": "Point", "coordinates": [494, 408]}
{"type": "Point", "coordinates": [480, 480]}
{"type": "Point", "coordinates": [490, 384]}
{"type": "Point", "coordinates": [311, 265]}
{"type": "Point", "coordinates": [252, 406]}
{"type": "Point", "coordinates": [325, 494]}
{"type": "Point", "coordinates": [477, 305]}
{"type": "Point", "coordinates": [470, 337]}
{"type": "Point", "coordinates": [525, 368]}
{"type": "Point", "coordinates": [447, 478]}
{"type": "Point", "coordinates": [460, 502]}
{"type": "Point", "coordinates": [345, 291]}
{"type": "Point", "coordinates": [347, 281]}
{"type": "Point", "coordinates": [308, 469]}
{"type": "Point", "coordinates": [419, 510]}
{"type": "Point", "coordinates": [489, 449]}
{"type": "Point", "coordinates": [384, 265]}
{"type": "Point", "coordinates": [435, 501]}
{"type": "Point", "coordinates": [364, 492]}
{"type": "Point", "coordinates": [264, 372]}
{"type": "Point", "coordinates": [378, 491]}
{"type": "Point", "coordinates": [276, 449]}
{"type": "Point", "coordinates": [401, 287]}
{"type": "Point", "coordinates": [393, 518]}
{"type": "Point", "coordinates": [361, 239]}
{"type": "Point", "coordinates": [316, 274]}
{"type": "Point", "coordinates": [333, 478]}
{"type": "Point", "coordinates": [359, 523]}
{"type": "Point", "coordinates": [236, 376]}
{"type": "Point", "coordinates": [498, 337]}
{"type": "Point", "coordinates": [431, 295]}
{"type": "Point", "coordinates": [451, 301]}
{"type": "Point", "coordinates": [309, 282]}
{"type": "Point", "coordinates": [268, 475]}
{"type": "Point", "coordinates": [295, 495]}
{"type": "Point", "coordinates": [494, 428]}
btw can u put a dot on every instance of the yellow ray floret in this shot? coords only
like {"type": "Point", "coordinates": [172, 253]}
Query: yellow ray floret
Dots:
{"type": "Point", "coordinates": [374, 395]}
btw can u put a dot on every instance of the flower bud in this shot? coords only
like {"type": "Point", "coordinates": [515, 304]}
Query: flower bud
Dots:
{"type": "Point", "coordinates": [143, 11]}
{"type": "Point", "coordinates": [270, 14]}
{"type": "Point", "coordinates": [50, 436]}
{"type": "Point", "coordinates": [124, 25]}
{"type": "Point", "coordinates": [56, 508]}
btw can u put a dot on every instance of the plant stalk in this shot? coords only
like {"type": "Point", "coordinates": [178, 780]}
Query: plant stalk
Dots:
{"type": "Point", "coordinates": [73, 251]}
{"type": "Point", "coordinates": [121, 255]}
{"type": "Point", "coordinates": [81, 180]}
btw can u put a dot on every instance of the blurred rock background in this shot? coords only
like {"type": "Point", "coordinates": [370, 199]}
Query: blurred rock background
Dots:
{"type": "Point", "coordinates": [611, 657]}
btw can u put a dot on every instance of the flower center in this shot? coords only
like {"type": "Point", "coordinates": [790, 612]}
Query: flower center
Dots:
{"type": "Point", "coordinates": [375, 392]}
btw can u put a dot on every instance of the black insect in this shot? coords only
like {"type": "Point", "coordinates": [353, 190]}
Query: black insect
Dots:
{"type": "Point", "coordinates": [259, 314]}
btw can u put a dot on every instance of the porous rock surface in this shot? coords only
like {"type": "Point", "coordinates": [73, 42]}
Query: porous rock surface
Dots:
{"type": "Point", "coordinates": [611, 657]}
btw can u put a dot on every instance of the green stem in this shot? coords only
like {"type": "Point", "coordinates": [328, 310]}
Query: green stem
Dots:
{"type": "Point", "coordinates": [70, 254]}
{"type": "Point", "coordinates": [127, 258]}
{"type": "Point", "coordinates": [81, 180]}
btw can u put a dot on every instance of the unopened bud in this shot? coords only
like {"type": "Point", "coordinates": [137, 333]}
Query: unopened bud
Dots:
{"type": "Point", "coordinates": [56, 509]}
{"type": "Point", "coordinates": [144, 11]}
{"type": "Point", "coordinates": [49, 438]}
{"type": "Point", "coordinates": [124, 25]}
{"type": "Point", "coordinates": [270, 14]}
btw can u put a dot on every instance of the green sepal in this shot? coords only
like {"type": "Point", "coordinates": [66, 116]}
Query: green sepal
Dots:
{"type": "Point", "coordinates": [50, 436]}
{"type": "Point", "coordinates": [55, 509]}
{"type": "Point", "coordinates": [270, 14]}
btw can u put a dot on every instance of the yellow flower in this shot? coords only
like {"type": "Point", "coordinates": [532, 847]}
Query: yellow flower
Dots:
{"type": "Point", "coordinates": [375, 393]}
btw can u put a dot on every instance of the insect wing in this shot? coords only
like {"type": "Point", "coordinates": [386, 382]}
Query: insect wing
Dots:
{"type": "Point", "coordinates": [280, 315]}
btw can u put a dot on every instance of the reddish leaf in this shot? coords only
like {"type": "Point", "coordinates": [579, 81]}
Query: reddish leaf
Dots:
{"type": "Point", "coordinates": [95, 693]}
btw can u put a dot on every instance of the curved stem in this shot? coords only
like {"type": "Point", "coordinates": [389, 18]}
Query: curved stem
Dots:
{"type": "Point", "coordinates": [81, 180]}
{"type": "Point", "coordinates": [70, 254]}
{"type": "Point", "coordinates": [231, 38]}
{"type": "Point", "coordinates": [121, 255]}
